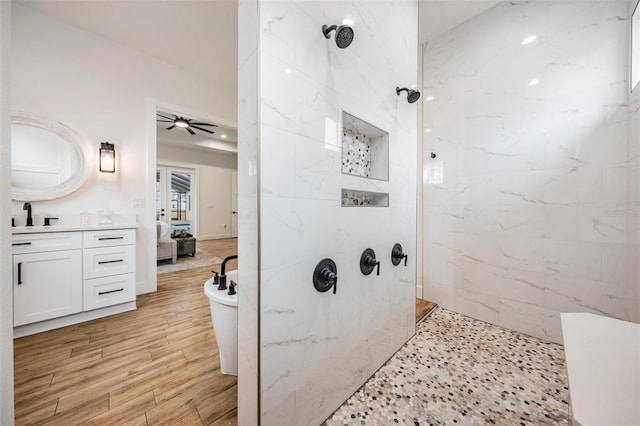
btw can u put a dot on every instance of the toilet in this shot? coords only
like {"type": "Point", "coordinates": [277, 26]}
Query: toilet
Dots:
{"type": "Point", "coordinates": [224, 315]}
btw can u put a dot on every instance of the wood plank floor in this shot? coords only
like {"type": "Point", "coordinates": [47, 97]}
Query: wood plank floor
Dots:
{"type": "Point", "coordinates": [154, 366]}
{"type": "Point", "coordinates": [423, 308]}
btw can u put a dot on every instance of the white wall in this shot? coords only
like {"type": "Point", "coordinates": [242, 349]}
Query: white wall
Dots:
{"type": "Point", "coordinates": [316, 349]}
{"type": "Point", "coordinates": [6, 283]}
{"type": "Point", "coordinates": [633, 186]}
{"type": "Point", "coordinates": [532, 217]}
{"type": "Point", "coordinates": [106, 92]}
{"type": "Point", "coordinates": [213, 174]}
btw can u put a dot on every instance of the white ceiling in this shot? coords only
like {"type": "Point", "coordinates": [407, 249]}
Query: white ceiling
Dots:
{"type": "Point", "coordinates": [201, 36]}
{"type": "Point", "coordinates": [196, 35]}
{"type": "Point", "coordinates": [436, 17]}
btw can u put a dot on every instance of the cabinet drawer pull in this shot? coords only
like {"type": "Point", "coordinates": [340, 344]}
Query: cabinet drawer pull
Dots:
{"type": "Point", "coordinates": [110, 238]}
{"type": "Point", "coordinates": [19, 273]}
{"type": "Point", "coordinates": [100, 293]}
{"type": "Point", "coordinates": [28, 243]}
{"type": "Point", "coordinates": [102, 262]}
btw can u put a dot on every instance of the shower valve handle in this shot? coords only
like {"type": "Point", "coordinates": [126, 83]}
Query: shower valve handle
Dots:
{"type": "Point", "coordinates": [397, 255]}
{"type": "Point", "coordinates": [330, 278]}
{"type": "Point", "coordinates": [325, 276]}
{"type": "Point", "coordinates": [368, 262]}
{"type": "Point", "coordinates": [371, 261]}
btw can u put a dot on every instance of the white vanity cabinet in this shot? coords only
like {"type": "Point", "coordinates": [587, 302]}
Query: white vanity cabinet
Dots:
{"type": "Point", "coordinates": [47, 276]}
{"type": "Point", "coordinates": [109, 262]}
{"type": "Point", "coordinates": [62, 278]}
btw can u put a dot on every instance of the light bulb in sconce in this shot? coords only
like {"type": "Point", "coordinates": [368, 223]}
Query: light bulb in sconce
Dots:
{"type": "Point", "coordinates": [107, 157]}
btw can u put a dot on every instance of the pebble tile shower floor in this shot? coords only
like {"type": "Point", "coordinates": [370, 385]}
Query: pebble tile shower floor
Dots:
{"type": "Point", "coordinates": [457, 370]}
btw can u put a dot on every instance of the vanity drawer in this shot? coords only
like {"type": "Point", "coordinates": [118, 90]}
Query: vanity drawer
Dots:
{"type": "Point", "coordinates": [54, 241]}
{"type": "Point", "coordinates": [109, 238]}
{"type": "Point", "coordinates": [107, 291]}
{"type": "Point", "coordinates": [106, 261]}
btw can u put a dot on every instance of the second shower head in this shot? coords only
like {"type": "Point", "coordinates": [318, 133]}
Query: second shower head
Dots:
{"type": "Point", "coordinates": [344, 34]}
{"type": "Point", "coordinates": [412, 95]}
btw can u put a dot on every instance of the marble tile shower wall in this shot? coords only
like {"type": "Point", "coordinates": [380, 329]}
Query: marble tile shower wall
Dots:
{"type": "Point", "coordinates": [540, 178]}
{"type": "Point", "coordinates": [248, 254]}
{"type": "Point", "coordinates": [633, 190]}
{"type": "Point", "coordinates": [318, 348]}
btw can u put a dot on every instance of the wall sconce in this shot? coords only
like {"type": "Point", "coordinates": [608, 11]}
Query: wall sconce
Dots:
{"type": "Point", "coordinates": [107, 157]}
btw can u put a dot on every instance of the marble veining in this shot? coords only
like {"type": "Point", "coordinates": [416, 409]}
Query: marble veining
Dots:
{"type": "Point", "coordinates": [457, 370]}
{"type": "Point", "coordinates": [536, 211]}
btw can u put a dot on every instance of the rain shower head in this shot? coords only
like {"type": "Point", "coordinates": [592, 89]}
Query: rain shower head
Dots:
{"type": "Point", "coordinates": [412, 95]}
{"type": "Point", "coordinates": [344, 34]}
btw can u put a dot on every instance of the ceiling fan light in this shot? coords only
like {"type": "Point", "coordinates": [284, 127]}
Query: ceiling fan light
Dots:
{"type": "Point", "coordinates": [181, 122]}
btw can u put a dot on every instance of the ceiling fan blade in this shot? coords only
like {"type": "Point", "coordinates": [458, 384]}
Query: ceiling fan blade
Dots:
{"type": "Point", "coordinates": [190, 131]}
{"type": "Point", "coordinates": [204, 130]}
{"type": "Point", "coordinates": [203, 124]}
{"type": "Point", "coordinates": [171, 127]}
{"type": "Point", "coordinates": [165, 121]}
{"type": "Point", "coordinates": [164, 116]}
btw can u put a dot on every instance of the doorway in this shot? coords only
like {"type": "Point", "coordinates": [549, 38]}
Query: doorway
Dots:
{"type": "Point", "coordinates": [234, 204]}
{"type": "Point", "coordinates": [176, 198]}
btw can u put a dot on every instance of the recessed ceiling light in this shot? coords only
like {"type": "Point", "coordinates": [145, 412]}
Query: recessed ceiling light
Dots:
{"type": "Point", "coordinates": [288, 71]}
{"type": "Point", "coordinates": [223, 136]}
{"type": "Point", "coordinates": [534, 82]}
{"type": "Point", "coordinates": [529, 40]}
{"type": "Point", "coordinates": [429, 98]}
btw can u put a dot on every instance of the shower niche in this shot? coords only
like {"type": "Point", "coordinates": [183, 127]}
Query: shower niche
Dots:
{"type": "Point", "coordinates": [357, 198]}
{"type": "Point", "coordinates": [365, 149]}
{"type": "Point", "coordinates": [365, 154]}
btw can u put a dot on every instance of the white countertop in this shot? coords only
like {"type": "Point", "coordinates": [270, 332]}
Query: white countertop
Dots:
{"type": "Point", "coordinates": [68, 228]}
{"type": "Point", "coordinates": [603, 364]}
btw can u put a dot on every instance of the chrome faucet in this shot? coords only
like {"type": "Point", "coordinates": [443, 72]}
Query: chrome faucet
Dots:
{"type": "Point", "coordinates": [27, 207]}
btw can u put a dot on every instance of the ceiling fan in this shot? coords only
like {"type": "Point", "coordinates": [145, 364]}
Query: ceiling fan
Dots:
{"type": "Point", "coordinates": [186, 123]}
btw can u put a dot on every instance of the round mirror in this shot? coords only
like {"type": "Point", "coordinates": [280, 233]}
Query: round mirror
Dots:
{"type": "Point", "coordinates": [48, 159]}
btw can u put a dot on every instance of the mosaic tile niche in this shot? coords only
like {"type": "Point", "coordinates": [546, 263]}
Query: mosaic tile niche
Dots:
{"type": "Point", "coordinates": [365, 149]}
{"type": "Point", "coordinates": [356, 154]}
{"type": "Point", "coordinates": [356, 198]}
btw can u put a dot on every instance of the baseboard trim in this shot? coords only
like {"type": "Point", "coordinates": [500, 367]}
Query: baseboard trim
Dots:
{"type": "Point", "coordinates": [214, 236]}
{"type": "Point", "coordinates": [39, 327]}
